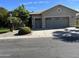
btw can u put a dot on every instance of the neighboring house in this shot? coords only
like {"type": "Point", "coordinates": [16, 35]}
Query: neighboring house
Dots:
{"type": "Point", "coordinates": [56, 17]}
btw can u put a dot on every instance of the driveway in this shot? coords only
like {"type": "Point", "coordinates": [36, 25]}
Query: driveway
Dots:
{"type": "Point", "coordinates": [34, 34]}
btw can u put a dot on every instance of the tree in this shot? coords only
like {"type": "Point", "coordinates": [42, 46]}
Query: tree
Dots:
{"type": "Point", "coordinates": [3, 16]}
{"type": "Point", "coordinates": [22, 13]}
{"type": "Point", "coordinates": [3, 12]}
{"type": "Point", "coordinates": [15, 21]}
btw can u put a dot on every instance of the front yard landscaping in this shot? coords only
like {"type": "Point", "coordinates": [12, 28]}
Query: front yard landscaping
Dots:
{"type": "Point", "coordinates": [17, 19]}
{"type": "Point", "coordinates": [24, 30]}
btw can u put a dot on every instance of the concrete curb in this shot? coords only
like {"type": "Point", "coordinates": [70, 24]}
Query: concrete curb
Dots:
{"type": "Point", "coordinates": [22, 37]}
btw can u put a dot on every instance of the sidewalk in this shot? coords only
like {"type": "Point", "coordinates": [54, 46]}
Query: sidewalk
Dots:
{"type": "Point", "coordinates": [34, 34]}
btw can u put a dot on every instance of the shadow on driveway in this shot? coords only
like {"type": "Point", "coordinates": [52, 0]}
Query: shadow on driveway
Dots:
{"type": "Point", "coordinates": [59, 35]}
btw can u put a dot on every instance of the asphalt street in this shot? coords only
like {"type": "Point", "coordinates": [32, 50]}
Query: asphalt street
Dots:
{"type": "Point", "coordinates": [38, 48]}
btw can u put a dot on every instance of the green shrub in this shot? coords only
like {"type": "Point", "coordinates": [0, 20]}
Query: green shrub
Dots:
{"type": "Point", "coordinates": [24, 30]}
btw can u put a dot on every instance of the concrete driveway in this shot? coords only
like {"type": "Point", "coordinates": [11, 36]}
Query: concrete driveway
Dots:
{"type": "Point", "coordinates": [34, 34]}
{"type": "Point", "coordinates": [45, 33]}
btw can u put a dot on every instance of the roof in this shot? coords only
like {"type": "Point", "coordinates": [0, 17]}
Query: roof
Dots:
{"type": "Point", "coordinates": [70, 8]}
{"type": "Point", "coordinates": [40, 12]}
{"type": "Point", "coordinates": [37, 12]}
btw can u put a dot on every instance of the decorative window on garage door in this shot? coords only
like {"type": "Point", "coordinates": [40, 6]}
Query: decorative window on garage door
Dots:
{"type": "Point", "coordinates": [49, 18]}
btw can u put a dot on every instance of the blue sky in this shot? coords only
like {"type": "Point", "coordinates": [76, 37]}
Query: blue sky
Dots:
{"type": "Point", "coordinates": [36, 5]}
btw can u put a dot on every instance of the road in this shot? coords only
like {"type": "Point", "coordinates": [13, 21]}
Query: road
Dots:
{"type": "Point", "coordinates": [38, 48]}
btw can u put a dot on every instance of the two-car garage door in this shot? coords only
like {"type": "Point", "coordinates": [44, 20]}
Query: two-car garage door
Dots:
{"type": "Point", "coordinates": [57, 22]}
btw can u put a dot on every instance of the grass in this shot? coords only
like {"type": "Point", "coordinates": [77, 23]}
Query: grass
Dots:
{"type": "Point", "coordinates": [4, 30]}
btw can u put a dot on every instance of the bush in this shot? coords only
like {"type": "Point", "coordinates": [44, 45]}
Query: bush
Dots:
{"type": "Point", "coordinates": [24, 30]}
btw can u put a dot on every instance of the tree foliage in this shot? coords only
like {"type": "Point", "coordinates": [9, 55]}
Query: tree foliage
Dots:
{"type": "Point", "coordinates": [3, 13]}
{"type": "Point", "coordinates": [15, 21]}
{"type": "Point", "coordinates": [3, 17]}
{"type": "Point", "coordinates": [22, 13]}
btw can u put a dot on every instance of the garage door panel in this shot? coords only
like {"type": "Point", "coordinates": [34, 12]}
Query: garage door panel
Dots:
{"type": "Point", "coordinates": [38, 23]}
{"type": "Point", "coordinates": [57, 22]}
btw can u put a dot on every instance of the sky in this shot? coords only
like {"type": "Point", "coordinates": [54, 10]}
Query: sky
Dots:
{"type": "Point", "coordinates": [38, 5]}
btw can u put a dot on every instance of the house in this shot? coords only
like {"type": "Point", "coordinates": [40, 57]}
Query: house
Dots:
{"type": "Point", "coordinates": [58, 16]}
